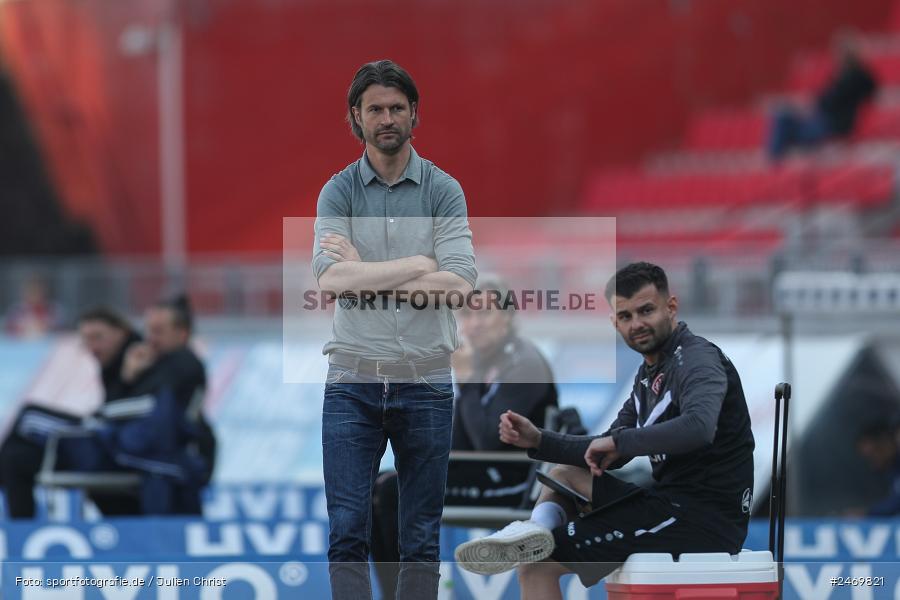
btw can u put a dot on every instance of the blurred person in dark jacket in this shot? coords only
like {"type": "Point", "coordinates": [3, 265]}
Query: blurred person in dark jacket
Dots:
{"type": "Point", "coordinates": [173, 445]}
{"type": "Point", "coordinates": [495, 370]}
{"type": "Point", "coordinates": [877, 444]}
{"type": "Point", "coordinates": [836, 107]}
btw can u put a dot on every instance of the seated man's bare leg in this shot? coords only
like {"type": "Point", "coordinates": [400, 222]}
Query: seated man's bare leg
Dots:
{"type": "Point", "coordinates": [540, 580]}
{"type": "Point", "coordinates": [576, 478]}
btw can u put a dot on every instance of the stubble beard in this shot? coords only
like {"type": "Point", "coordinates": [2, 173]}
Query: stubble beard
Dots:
{"type": "Point", "coordinates": [393, 146]}
{"type": "Point", "coordinates": [658, 338]}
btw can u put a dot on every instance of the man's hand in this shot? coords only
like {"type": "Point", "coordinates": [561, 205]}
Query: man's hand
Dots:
{"type": "Point", "coordinates": [339, 248]}
{"type": "Point", "coordinates": [138, 359]}
{"type": "Point", "coordinates": [600, 454]}
{"type": "Point", "coordinates": [518, 431]}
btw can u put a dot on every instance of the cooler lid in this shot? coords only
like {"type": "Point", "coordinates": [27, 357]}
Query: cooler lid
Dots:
{"type": "Point", "coordinates": [696, 568]}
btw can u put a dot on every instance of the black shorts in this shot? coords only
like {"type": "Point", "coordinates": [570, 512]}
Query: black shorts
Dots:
{"type": "Point", "coordinates": [628, 520]}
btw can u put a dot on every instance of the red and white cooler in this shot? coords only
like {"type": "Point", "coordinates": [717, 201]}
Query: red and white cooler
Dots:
{"type": "Point", "coordinates": [714, 576]}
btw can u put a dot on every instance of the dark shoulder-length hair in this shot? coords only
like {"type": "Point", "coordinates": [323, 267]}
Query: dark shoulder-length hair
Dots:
{"type": "Point", "coordinates": [106, 315]}
{"type": "Point", "coordinates": [381, 72]}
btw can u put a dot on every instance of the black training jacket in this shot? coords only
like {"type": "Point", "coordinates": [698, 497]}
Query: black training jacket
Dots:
{"type": "Point", "coordinates": [689, 415]}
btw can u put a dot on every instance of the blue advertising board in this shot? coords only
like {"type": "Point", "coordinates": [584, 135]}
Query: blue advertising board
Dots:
{"type": "Point", "coordinates": [276, 537]}
{"type": "Point", "coordinates": [826, 559]}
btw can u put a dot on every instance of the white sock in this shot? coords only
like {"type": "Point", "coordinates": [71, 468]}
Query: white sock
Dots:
{"type": "Point", "coordinates": [549, 514]}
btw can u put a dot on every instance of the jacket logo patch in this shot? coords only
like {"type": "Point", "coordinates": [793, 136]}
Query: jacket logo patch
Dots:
{"type": "Point", "coordinates": [657, 383]}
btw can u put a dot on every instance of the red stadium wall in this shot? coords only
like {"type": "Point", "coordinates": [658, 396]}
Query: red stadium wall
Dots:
{"type": "Point", "coordinates": [520, 98]}
{"type": "Point", "coordinates": [92, 108]}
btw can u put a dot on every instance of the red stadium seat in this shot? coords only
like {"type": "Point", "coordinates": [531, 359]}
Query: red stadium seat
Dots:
{"type": "Point", "coordinates": [859, 184]}
{"type": "Point", "coordinates": [720, 193]}
{"type": "Point", "coordinates": [746, 129]}
{"type": "Point", "coordinates": [726, 129]}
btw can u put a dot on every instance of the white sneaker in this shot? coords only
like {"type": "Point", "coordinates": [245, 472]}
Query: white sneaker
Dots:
{"type": "Point", "coordinates": [519, 542]}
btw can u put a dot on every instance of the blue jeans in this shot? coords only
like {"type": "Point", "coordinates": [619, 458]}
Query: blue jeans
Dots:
{"type": "Point", "coordinates": [790, 128]}
{"type": "Point", "coordinates": [360, 414]}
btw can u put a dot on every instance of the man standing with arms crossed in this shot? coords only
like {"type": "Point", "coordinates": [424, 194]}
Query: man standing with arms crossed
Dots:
{"type": "Point", "coordinates": [395, 224]}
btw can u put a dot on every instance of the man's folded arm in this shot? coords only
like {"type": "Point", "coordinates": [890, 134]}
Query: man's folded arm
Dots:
{"type": "Point", "coordinates": [439, 281]}
{"type": "Point", "coordinates": [375, 276]}
{"type": "Point", "coordinates": [333, 217]}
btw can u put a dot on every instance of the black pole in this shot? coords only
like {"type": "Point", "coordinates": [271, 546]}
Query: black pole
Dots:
{"type": "Point", "coordinates": [774, 487]}
{"type": "Point", "coordinates": [783, 493]}
{"type": "Point", "coordinates": [782, 390]}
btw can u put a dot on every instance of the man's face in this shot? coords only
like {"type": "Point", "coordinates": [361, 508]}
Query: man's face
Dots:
{"type": "Point", "coordinates": [162, 333]}
{"type": "Point", "coordinates": [385, 117]}
{"type": "Point", "coordinates": [484, 328]}
{"type": "Point", "coordinates": [101, 339]}
{"type": "Point", "coordinates": [646, 320]}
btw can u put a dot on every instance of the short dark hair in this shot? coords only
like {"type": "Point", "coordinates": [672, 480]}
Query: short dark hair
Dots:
{"type": "Point", "coordinates": [182, 314]}
{"type": "Point", "coordinates": [106, 315]}
{"type": "Point", "coordinates": [381, 72]}
{"type": "Point", "coordinates": [631, 278]}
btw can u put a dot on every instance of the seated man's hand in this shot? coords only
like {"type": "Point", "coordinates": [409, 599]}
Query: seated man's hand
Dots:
{"type": "Point", "coordinates": [600, 454]}
{"type": "Point", "coordinates": [138, 359]}
{"type": "Point", "coordinates": [518, 431]}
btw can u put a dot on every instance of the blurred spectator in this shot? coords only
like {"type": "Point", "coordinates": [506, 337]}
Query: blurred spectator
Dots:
{"type": "Point", "coordinates": [150, 422]}
{"type": "Point", "coordinates": [35, 314]}
{"type": "Point", "coordinates": [107, 336]}
{"type": "Point", "coordinates": [836, 106]}
{"type": "Point", "coordinates": [877, 444]}
{"type": "Point", "coordinates": [174, 446]}
{"type": "Point", "coordinates": [489, 369]}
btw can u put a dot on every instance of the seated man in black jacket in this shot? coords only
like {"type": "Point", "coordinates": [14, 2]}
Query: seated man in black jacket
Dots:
{"type": "Point", "coordinates": [836, 106]}
{"type": "Point", "coordinates": [686, 412]}
{"type": "Point", "coordinates": [173, 446]}
{"type": "Point", "coordinates": [495, 370]}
